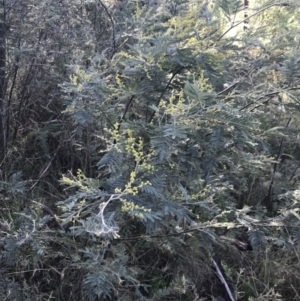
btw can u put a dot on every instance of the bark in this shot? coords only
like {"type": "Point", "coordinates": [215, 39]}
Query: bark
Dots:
{"type": "Point", "coordinates": [246, 7]}
{"type": "Point", "coordinates": [2, 81]}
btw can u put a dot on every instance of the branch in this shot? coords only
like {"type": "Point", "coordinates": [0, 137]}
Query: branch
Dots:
{"type": "Point", "coordinates": [48, 210]}
{"type": "Point", "coordinates": [228, 88]}
{"type": "Point", "coordinates": [112, 25]}
{"type": "Point", "coordinates": [294, 172]}
{"type": "Point", "coordinates": [165, 89]}
{"type": "Point", "coordinates": [46, 166]}
{"type": "Point", "coordinates": [221, 277]}
{"type": "Point", "coordinates": [269, 95]}
{"type": "Point", "coordinates": [266, 224]}
{"type": "Point", "coordinates": [269, 196]}
{"type": "Point", "coordinates": [246, 19]}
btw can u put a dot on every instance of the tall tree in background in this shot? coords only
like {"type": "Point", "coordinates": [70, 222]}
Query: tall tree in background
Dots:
{"type": "Point", "coordinates": [246, 15]}
{"type": "Point", "coordinates": [3, 31]}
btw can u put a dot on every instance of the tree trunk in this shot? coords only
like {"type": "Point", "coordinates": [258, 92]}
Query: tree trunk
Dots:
{"type": "Point", "coordinates": [246, 7]}
{"type": "Point", "coordinates": [2, 81]}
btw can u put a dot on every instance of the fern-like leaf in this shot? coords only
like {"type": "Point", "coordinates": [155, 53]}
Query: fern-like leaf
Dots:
{"type": "Point", "coordinates": [258, 240]}
{"type": "Point", "coordinates": [112, 160]}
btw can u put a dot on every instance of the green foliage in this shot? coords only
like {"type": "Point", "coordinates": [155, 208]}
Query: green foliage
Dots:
{"type": "Point", "coordinates": [153, 137]}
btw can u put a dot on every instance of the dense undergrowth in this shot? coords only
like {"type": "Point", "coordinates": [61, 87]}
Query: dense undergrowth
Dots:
{"type": "Point", "coordinates": [150, 148]}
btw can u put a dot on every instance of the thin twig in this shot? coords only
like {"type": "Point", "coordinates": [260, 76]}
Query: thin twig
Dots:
{"type": "Point", "coordinates": [294, 172]}
{"type": "Point", "coordinates": [125, 112]}
{"type": "Point", "coordinates": [269, 95]}
{"type": "Point", "coordinates": [228, 88]}
{"type": "Point", "coordinates": [269, 196]}
{"type": "Point", "coordinates": [46, 167]}
{"type": "Point", "coordinates": [165, 89]}
{"type": "Point", "coordinates": [48, 210]}
{"type": "Point", "coordinates": [246, 19]}
{"type": "Point", "coordinates": [221, 277]}
{"type": "Point", "coordinates": [112, 25]}
{"type": "Point", "coordinates": [267, 223]}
